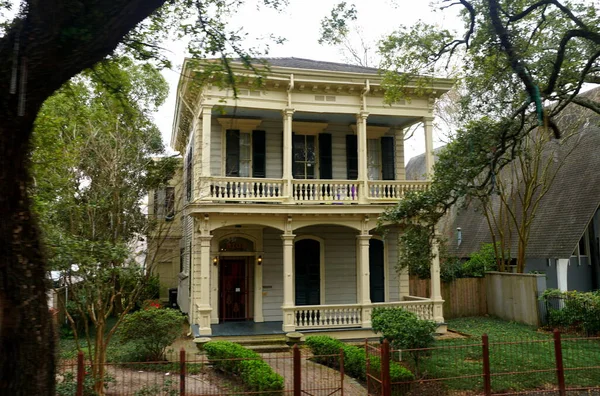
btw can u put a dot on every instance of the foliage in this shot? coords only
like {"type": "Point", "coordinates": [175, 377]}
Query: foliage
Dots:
{"type": "Point", "coordinates": [414, 251]}
{"type": "Point", "coordinates": [168, 388]}
{"type": "Point", "coordinates": [573, 310]}
{"type": "Point", "coordinates": [403, 329]}
{"type": "Point", "coordinates": [326, 349]}
{"type": "Point", "coordinates": [68, 385]}
{"type": "Point", "coordinates": [153, 329]}
{"type": "Point", "coordinates": [255, 373]}
{"type": "Point", "coordinates": [506, 75]}
{"type": "Point", "coordinates": [480, 262]}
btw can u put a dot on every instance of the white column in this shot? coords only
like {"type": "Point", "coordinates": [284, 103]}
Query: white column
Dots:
{"type": "Point", "coordinates": [202, 285]}
{"type": "Point", "coordinates": [287, 150]}
{"type": "Point", "coordinates": [562, 268]}
{"type": "Point", "coordinates": [258, 296]}
{"type": "Point", "coordinates": [361, 132]}
{"type": "Point", "coordinates": [429, 159]}
{"type": "Point", "coordinates": [436, 287]}
{"type": "Point", "coordinates": [202, 155]}
{"type": "Point", "coordinates": [288, 282]}
{"type": "Point", "coordinates": [364, 278]}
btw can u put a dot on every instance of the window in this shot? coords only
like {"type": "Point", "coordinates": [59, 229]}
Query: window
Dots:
{"type": "Point", "coordinates": [373, 159]}
{"type": "Point", "coordinates": [164, 203]}
{"type": "Point", "coordinates": [583, 247]}
{"type": "Point", "coordinates": [189, 169]}
{"type": "Point", "coordinates": [307, 263]}
{"type": "Point", "coordinates": [304, 156]}
{"type": "Point", "coordinates": [245, 153]}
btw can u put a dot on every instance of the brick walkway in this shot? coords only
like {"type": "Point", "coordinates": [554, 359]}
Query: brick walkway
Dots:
{"type": "Point", "coordinates": [316, 378]}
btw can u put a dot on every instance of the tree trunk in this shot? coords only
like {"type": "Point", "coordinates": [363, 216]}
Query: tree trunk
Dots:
{"type": "Point", "coordinates": [56, 40]}
{"type": "Point", "coordinates": [99, 364]}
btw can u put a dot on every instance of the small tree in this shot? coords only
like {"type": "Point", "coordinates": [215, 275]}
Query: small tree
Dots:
{"type": "Point", "coordinates": [404, 330]}
{"type": "Point", "coordinates": [153, 329]}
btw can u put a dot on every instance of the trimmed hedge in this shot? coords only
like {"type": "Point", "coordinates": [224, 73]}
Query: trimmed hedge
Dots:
{"type": "Point", "coordinates": [355, 360]}
{"type": "Point", "coordinates": [255, 373]}
{"type": "Point", "coordinates": [573, 310]}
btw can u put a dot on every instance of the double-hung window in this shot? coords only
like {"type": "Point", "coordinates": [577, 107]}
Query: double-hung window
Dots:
{"type": "Point", "coordinates": [245, 153]}
{"type": "Point", "coordinates": [304, 156]}
{"type": "Point", "coordinates": [380, 158]}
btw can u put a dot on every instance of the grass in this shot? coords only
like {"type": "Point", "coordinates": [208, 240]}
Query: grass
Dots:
{"type": "Point", "coordinates": [520, 357]}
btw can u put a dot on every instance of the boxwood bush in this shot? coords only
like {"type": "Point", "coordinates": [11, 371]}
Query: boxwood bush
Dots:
{"type": "Point", "coordinates": [355, 361]}
{"type": "Point", "coordinates": [254, 372]}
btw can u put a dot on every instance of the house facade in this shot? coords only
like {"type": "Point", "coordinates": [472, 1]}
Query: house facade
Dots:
{"type": "Point", "coordinates": [281, 190]}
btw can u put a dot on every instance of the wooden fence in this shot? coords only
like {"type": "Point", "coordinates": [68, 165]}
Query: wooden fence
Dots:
{"type": "Point", "coordinates": [462, 297]}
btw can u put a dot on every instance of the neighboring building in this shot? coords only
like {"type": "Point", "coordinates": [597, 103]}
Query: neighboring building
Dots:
{"type": "Point", "coordinates": [565, 234]}
{"type": "Point", "coordinates": [281, 193]}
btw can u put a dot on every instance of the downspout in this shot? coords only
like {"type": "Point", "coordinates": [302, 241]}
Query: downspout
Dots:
{"type": "Point", "coordinates": [364, 93]}
{"type": "Point", "coordinates": [289, 91]}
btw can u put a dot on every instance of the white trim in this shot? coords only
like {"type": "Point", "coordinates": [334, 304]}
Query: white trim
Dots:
{"type": "Point", "coordinates": [321, 265]}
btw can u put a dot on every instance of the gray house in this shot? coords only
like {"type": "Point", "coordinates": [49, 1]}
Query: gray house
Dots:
{"type": "Point", "coordinates": [565, 233]}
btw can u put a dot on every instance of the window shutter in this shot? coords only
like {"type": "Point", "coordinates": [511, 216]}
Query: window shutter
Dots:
{"type": "Point", "coordinates": [325, 168]}
{"type": "Point", "coordinates": [232, 155]}
{"type": "Point", "coordinates": [298, 155]}
{"type": "Point", "coordinates": [259, 168]}
{"type": "Point", "coordinates": [387, 158]}
{"type": "Point", "coordinates": [352, 157]}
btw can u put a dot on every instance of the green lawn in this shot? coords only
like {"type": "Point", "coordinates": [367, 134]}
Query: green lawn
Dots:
{"type": "Point", "coordinates": [519, 354]}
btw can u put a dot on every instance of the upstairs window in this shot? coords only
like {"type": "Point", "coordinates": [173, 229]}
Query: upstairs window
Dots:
{"type": "Point", "coordinates": [304, 156]}
{"type": "Point", "coordinates": [245, 153]}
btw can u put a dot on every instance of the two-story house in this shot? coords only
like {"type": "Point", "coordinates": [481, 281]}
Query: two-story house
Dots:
{"type": "Point", "coordinates": [281, 192]}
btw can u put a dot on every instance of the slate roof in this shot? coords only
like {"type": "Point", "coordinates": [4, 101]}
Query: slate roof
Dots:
{"type": "Point", "coordinates": [564, 212]}
{"type": "Point", "coordinates": [301, 63]}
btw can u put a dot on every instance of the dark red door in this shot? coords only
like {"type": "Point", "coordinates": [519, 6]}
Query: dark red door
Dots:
{"type": "Point", "coordinates": [234, 289]}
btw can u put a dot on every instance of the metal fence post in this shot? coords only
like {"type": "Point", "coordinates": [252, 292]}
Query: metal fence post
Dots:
{"type": "Point", "coordinates": [182, 372]}
{"type": "Point", "coordinates": [80, 373]}
{"type": "Point", "coordinates": [560, 371]}
{"type": "Point", "coordinates": [385, 368]}
{"type": "Point", "coordinates": [297, 372]}
{"type": "Point", "coordinates": [487, 379]}
{"type": "Point", "coordinates": [342, 371]}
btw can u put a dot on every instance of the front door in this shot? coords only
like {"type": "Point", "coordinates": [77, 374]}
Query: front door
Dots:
{"type": "Point", "coordinates": [234, 289]}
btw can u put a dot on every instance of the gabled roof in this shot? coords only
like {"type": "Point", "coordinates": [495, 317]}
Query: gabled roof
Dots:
{"type": "Point", "coordinates": [566, 209]}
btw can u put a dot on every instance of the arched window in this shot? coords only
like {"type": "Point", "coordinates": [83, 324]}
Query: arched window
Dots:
{"type": "Point", "coordinates": [307, 262]}
{"type": "Point", "coordinates": [377, 270]}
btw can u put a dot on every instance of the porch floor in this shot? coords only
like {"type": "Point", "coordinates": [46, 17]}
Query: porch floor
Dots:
{"type": "Point", "coordinates": [248, 328]}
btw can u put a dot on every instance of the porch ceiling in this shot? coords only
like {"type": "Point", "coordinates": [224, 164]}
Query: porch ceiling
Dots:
{"type": "Point", "coordinates": [332, 118]}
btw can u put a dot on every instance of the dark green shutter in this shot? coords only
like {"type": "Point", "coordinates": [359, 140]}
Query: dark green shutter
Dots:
{"type": "Point", "coordinates": [376, 271]}
{"type": "Point", "coordinates": [325, 168]}
{"type": "Point", "coordinates": [258, 154]}
{"type": "Point", "coordinates": [387, 158]}
{"type": "Point", "coordinates": [352, 157]}
{"type": "Point", "coordinates": [232, 154]}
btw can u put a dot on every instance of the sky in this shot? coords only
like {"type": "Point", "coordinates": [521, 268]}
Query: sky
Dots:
{"type": "Point", "coordinates": [299, 23]}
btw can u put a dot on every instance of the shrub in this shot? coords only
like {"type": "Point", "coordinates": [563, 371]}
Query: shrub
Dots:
{"type": "Point", "coordinates": [153, 330]}
{"type": "Point", "coordinates": [480, 262]}
{"type": "Point", "coordinates": [68, 385]}
{"type": "Point", "coordinates": [572, 310]}
{"type": "Point", "coordinates": [355, 361]}
{"type": "Point", "coordinates": [256, 375]}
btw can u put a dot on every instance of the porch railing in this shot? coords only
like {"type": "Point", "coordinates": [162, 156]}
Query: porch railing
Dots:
{"type": "Point", "coordinates": [317, 191]}
{"type": "Point", "coordinates": [351, 315]}
{"type": "Point", "coordinates": [244, 189]}
{"type": "Point", "coordinates": [393, 190]}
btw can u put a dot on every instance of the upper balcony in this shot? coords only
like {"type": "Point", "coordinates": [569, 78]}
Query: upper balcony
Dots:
{"type": "Point", "coordinates": [309, 133]}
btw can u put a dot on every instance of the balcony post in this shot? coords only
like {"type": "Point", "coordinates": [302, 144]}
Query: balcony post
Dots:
{"type": "Point", "coordinates": [436, 287]}
{"type": "Point", "coordinates": [364, 275]}
{"type": "Point", "coordinates": [287, 151]}
{"type": "Point", "coordinates": [429, 158]}
{"type": "Point", "coordinates": [361, 131]}
{"type": "Point", "coordinates": [288, 281]}
{"type": "Point", "coordinates": [204, 153]}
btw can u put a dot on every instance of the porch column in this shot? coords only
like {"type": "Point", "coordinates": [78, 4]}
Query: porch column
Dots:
{"type": "Point", "coordinates": [288, 282]}
{"type": "Point", "coordinates": [287, 151]}
{"type": "Point", "coordinates": [429, 159]}
{"type": "Point", "coordinates": [201, 281]}
{"type": "Point", "coordinates": [361, 138]}
{"type": "Point", "coordinates": [204, 153]}
{"type": "Point", "coordinates": [436, 287]}
{"type": "Point", "coordinates": [562, 268]}
{"type": "Point", "coordinates": [258, 282]}
{"type": "Point", "coordinates": [364, 291]}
